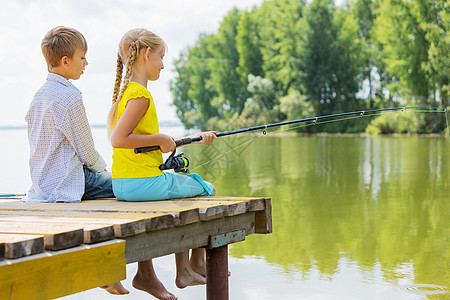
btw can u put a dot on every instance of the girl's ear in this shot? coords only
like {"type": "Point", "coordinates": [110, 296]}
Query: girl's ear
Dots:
{"type": "Point", "coordinates": [147, 53]}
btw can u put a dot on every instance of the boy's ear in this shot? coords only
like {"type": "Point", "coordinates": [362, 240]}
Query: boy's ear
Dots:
{"type": "Point", "coordinates": [64, 61]}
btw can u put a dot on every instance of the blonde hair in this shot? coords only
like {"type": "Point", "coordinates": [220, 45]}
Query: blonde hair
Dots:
{"type": "Point", "coordinates": [59, 42]}
{"type": "Point", "coordinates": [129, 47]}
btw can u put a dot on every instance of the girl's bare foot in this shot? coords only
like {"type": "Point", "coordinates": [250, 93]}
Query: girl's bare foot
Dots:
{"type": "Point", "coordinates": [147, 281]}
{"type": "Point", "coordinates": [199, 267]}
{"type": "Point", "coordinates": [197, 261]}
{"type": "Point", "coordinates": [116, 288]}
{"type": "Point", "coordinates": [188, 277]}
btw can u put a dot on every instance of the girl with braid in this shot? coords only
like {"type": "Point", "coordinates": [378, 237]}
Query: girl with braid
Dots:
{"type": "Point", "coordinates": [133, 123]}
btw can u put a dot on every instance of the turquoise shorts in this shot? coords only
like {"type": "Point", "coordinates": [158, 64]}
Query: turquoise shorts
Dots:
{"type": "Point", "coordinates": [166, 186]}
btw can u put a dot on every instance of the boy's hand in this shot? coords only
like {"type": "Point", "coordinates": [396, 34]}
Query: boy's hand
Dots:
{"type": "Point", "coordinates": [207, 137]}
{"type": "Point", "coordinates": [167, 143]}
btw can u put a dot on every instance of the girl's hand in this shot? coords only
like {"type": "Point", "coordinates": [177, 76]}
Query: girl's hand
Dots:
{"type": "Point", "coordinates": [166, 143]}
{"type": "Point", "coordinates": [207, 137]}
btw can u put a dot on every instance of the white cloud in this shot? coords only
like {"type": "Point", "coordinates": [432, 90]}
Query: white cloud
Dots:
{"type": "Point", "coordinates": [24, 23]}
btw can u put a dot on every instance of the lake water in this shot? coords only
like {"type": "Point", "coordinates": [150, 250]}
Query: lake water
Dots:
{"type": "Point", "coordinates": [354, 217]}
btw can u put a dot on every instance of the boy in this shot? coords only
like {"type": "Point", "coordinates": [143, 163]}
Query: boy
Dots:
{"type": "Point", "coordinates": [64, 165]}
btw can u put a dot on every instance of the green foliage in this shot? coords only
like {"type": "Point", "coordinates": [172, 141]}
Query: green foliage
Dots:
{"type": "Point", "coordinates": [293, 57]}
{"type": "Point", "coordinates": [280, 27]}
{"type": "Point", "coordinates": [262, 106]}
{"type": "Point", "coordinates": [411, 34]}
{"type": "Point", "coordinates": [224, 63]}
{"type": "Point", "coordinates": [295, 106]}
{"type": "Point", "coordinates": [249, 48]}
{"type": "Point", "coordinates": [405, 122]}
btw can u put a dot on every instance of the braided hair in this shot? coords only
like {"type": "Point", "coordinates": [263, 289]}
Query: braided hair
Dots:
{"type": "Point", "coordinates": [129, 47]}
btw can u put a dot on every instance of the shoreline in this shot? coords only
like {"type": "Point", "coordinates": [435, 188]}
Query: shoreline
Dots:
{"type": "Point", "coordinates": [281, 133]}
{"type": "Point", "coordinates": [362, 134]}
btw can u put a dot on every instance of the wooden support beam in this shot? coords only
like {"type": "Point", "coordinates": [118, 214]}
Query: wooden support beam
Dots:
{"type": "Point", "coordinates": [217, 273]}
{"type": "Point", "coordinates": [173, 240]}
{"type": "Point", "coordinates": [263, 218]}
{"type": "Point", "coordinates": [56, 274]}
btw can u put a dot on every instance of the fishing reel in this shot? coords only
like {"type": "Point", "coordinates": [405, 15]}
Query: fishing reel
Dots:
{"type": "Point", "coordinates": [178, 163]}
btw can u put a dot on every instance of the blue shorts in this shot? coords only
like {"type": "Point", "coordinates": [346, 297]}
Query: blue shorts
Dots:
{"type": "Point", "coordinates": [166, 186]}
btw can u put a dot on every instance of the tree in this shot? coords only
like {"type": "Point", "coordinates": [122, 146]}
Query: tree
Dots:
{"type": "Point", "coordinates": [319, 55]}
{"type": "Point", "coordinates": [404, 46]}
{"type": "Point", "coordinates": [364, 11]}
{"type": "Point", "coordinates": [192, 89]}
{"type": "Point", "coordinates": [224, 64]}
{"type": "Point", "coordinates": [280, 30]}
{"type": "Point", "coordinates": [248, 46]}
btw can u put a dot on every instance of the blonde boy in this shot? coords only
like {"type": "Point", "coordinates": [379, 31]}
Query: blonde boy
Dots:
{"type": "Point", "coordinates": [64, 165]}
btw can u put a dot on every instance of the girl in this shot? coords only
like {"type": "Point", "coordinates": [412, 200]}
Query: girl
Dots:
{"type": "Point", "coordinates": [137, 177]}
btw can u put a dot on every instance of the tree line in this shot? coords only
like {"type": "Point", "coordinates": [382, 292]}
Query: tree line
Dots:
{"type": "Point", "coordinates": [291, 59]}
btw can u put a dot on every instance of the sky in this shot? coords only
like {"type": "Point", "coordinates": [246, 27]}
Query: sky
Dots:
{"type": "Point", "coordinates": [24, 23]}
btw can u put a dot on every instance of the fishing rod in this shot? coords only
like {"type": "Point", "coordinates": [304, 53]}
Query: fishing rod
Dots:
{"type": "Point", "coordinates": [179, 163]}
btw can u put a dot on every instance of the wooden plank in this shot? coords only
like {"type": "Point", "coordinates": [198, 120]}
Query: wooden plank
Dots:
{"type": "Point", "coordinates": [263, 219]}
{"type": "Point", "coordinates": [56, 274]}
{"type": "Point", "coordinates": [95, 229]}
{"type": "Point", "coordinates": [2, 250]}
{"type": "Point", "coordinates": [207, 205]}
{"type": "Point", "coordinates": [125, 223]}
{"type": "Point", "coordinates": [251, 203]}
{"type": "Point", "coordinates": [93, 233]}
{"type": "Point", "coordinates": [182, 215]}
{"type": "Point", "coordinates": [21, 245]}
{"type": "Point", "coordinates": [54, 239]}
{"type": "Point", "coordinates": [177, 239]}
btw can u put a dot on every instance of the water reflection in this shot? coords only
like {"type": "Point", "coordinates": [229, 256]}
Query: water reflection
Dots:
{"type": "Point", "coordinates": [381, 203]}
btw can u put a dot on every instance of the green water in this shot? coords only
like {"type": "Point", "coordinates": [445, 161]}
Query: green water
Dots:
{"type": "Point", "coordinates": [349, 212]}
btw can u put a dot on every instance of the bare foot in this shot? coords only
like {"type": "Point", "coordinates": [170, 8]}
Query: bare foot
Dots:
{"type": "Point", "coordinates": [199, 266]}
{"type": "Point", "coordinates": [197, 261]}
{"type": "Point", "coordinates": [153, 286]}
{"type": "Point", "coordinates": [188, 277]}
{"type": "Point", "coordinates": [116, 288]}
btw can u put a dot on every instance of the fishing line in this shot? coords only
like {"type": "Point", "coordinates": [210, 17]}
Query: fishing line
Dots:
{"type": "Point", "coordinates": [180, 163]}
{"type": "Point", "coordinates": [224, 154]}
{"type": "Point", "coordinates": [315, 122]}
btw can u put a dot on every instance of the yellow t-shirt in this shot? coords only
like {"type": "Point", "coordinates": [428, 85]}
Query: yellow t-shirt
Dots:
{"type": "Point", "coordinates": [127, 164]}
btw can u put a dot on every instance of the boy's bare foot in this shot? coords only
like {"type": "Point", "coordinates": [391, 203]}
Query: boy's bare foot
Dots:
{"type": "Point", "coordinates": [116, 288]}
{"type": "Point", "coordinates": [151, 284]}
{"type": "Point", "coordinates": [188, 277]}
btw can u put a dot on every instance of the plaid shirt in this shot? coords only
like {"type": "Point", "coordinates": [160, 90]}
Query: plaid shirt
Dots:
{"type": "Point", "coordinates": [60, 143]}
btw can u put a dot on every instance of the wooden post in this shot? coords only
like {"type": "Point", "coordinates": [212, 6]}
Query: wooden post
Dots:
{"type": "Point", "coordinates": [217, 273]}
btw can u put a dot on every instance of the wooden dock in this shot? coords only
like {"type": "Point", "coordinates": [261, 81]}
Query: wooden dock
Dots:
{"type": "Point", "coordinates": [50, 250]}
